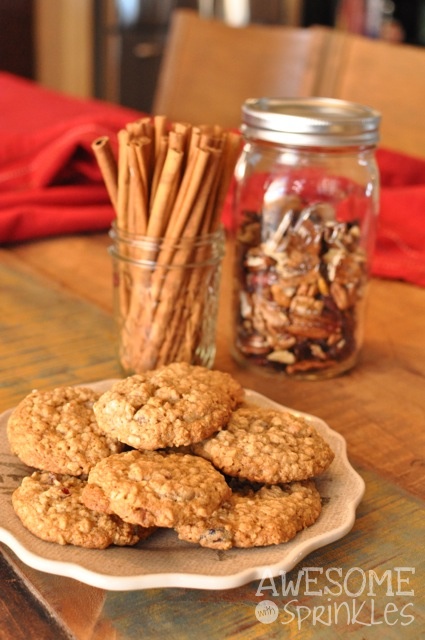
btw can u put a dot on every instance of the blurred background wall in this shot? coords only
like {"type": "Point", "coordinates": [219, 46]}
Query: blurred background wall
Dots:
{"type": "Point", "coordinates": [112, 49]}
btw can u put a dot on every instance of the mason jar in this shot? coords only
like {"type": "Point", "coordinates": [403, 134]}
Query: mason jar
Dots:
{"type": "Point", "coordinates": [166, 294]}
{"type": "Point", "coordinates": [306, 206]}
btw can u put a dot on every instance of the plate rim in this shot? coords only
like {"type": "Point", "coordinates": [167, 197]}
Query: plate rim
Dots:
{"type": "Point", "coordinates": [197, 580]}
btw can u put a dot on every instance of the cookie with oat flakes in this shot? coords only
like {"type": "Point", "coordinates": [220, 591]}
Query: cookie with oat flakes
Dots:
{"type": "Point", "coordinates": [49, 505]}
{"type": "Point", "coordinates": [172, 406]}
{"type": "Point", "coordinates": [268, 446]}
{"type": "Point", "coordinates": [56, 430]}
{"type": "Point", "coordinates": [152, 488]}
{"type": "Point", "coordinates": [230, 389]}
{"type": "Point", "coordinates": [267, 516]}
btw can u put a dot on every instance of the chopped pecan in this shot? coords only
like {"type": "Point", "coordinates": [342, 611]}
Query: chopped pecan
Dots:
{"type": "Point", "coordinates": [322, 286]}
{"type": "Point", "coordinates": [282, 295]}
{"type": "Point", "coordinates": [267, 315]}
{"type": "Point", "coordinates": [306, 306]}
{"type": "Point", "coordinates": [317, 351]}
{"type": "Point", "coordinates": [254, 345]}
{"type": "Point", "coordinates": [283, 342]}
{"type": "Point", "coordinates": [283, 356]}
{"type": "Point", "coordinates": [309, 365]}
{"type": "Point", "coordinates": [256, 260]}
{"type": "Point", "coordinates": [315, 327]}
{"type": "Point", "coordinates": [339, 294]}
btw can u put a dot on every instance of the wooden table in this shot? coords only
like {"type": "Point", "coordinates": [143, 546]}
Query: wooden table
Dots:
{"type": "Point", "coordinates": [56, 328]}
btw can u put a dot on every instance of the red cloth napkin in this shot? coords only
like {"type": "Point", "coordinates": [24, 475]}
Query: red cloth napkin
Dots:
{"type": "Point", "coordinates": [400, 243]}
{"type": "Point", "coordinates": [50, 183]}
{"type": "Point", "coordinates": [49, 179]}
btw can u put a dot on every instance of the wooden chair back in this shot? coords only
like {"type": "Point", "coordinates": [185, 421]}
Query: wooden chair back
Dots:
{"type": "Point", "coordinates": [389, 77]}
{"type": "Point", "coordinates": [209, 68]}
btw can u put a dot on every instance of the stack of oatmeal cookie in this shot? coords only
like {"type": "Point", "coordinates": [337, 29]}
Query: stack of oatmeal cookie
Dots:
{"type": "Point", "coordinates": [177, 447]}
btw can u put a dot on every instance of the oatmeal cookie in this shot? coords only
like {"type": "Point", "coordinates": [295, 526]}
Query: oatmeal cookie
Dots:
{"type": "Point", "coordinates": [270, 515]}
{"type": "Point", "coordinates": [49, 505]}
{"type": "Point", "coordinates": [172, 406]}
{"type": "Point", "coordinates": [227, 386]}
{"type": "Point", "coordinates": [155, 489]}
{"type": "Point", "coordinates": [56, 430]}
{"type": "Point", "coordinates": [268, 446]}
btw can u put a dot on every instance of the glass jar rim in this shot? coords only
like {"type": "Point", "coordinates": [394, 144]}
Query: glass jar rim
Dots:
{"type": "Point", "coordinates": [148, 252]}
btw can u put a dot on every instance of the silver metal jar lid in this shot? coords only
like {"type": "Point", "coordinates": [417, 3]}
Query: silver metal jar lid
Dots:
{"type": "Point", "coordinates": [310, 122]}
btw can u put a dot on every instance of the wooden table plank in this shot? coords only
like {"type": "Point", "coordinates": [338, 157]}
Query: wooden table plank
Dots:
{"type": "Point", "coordinates": [47, 338]}
{"type": "Point", "coordinates": [15, 599]}
{"type": "Point", "coordinates": [79, 265]}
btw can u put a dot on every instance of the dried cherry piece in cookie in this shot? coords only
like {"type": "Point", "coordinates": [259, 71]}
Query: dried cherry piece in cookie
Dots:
{"type": "Point", "coordinates": [268, 446]}
{"type": "Point", "coordinates": [49, 505]}
{"type": "Point", "coordinates": [56, 430]}
{"type": "Point", "coordinates": [155, 489]}
{"type": "Point", "coordinates": [269, 515]}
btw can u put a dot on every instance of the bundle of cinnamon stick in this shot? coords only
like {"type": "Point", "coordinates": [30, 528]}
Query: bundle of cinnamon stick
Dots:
{"type": "Point", "coordinates": [167, 185]}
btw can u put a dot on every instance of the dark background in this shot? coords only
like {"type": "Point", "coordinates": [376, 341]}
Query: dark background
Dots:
{"type": "Point", "coordinates": [142, 41]}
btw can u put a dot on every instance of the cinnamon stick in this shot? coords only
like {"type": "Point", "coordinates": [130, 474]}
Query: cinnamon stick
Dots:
{"type": "Point", "coordinates": [161, 148]}
{"type": "Point", "coordinates": [231, 153]}
{"type": "Point", "coordinates": [188, 191]}
{"type": "Point", "coordinates": [123, 180]}
{"type": "Point", "coordinates": [159, 131]}
{"type": "Point", "coordinates": [195, 221]}
{"type": "Point", "coordinates": [143, 149]}
{"type": "Point", "coordinates": [108, 167]}
{"type": "Point", "coordinates": [163, 203]}
{"type": "Point", "coordinates": [138, 215]}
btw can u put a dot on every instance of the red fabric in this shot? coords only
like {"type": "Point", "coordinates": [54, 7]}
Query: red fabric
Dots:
{"type": "Point", "coordinates": [50, 183]}
{"type": "Point", "coordinates": [49, 179]}
{"type": "Point", "coordinates": [400, 245]}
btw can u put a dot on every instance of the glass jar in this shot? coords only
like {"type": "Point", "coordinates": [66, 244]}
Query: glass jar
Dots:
{"type": "Point", "coordinates": [166, 294]}
{"type": "Point", "coordinates": [306, 205]}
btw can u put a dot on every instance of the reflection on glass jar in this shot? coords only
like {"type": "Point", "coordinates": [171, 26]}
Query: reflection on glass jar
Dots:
{"type": "Point", "coordinates": [306, 208]}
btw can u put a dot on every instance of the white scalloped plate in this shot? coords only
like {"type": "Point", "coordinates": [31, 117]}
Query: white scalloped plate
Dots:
{"type": "Point", "coordinates": [165, 561]}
